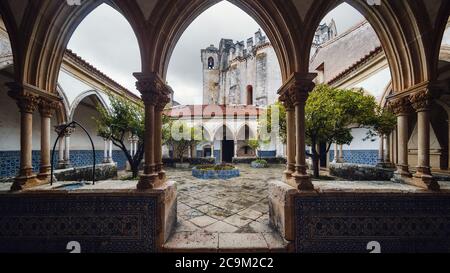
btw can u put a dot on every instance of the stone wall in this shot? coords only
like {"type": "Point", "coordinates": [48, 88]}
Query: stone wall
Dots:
{"type": "Point", "coordinates": [348, 222]}
{"type": "Point", "coordinates": [355, 172]}
{"type": "Point", "coordinates": [367, 157]}
{"type": "Point", "coordinates": [102, 172]}
{"type": "Point", "coordinates": [10, 160]}
{"type": "Point", "coordinates": [100, 222]}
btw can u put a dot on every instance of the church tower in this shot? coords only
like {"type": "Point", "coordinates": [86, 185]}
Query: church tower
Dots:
{"type": "Point", "coordinates": [211, 75]}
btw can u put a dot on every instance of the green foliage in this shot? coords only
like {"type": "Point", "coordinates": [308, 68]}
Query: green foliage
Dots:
{"type": "Point", "coordinates": [261, 161]}
{"type": "Point", "coordinates": [181, 137]}
{"type": "Point", "coordinates": [265, 122]}
{"type": "Point", "coordinates": [331, 113]}
{"type": "Point", "coordinates": [384, 123]}
{"type": "Point", "coordinates": [125, 118]}
{"type": "Point", "coordinates": [221, 167]}
{"type": "Point", "coordinates": [255, 144]}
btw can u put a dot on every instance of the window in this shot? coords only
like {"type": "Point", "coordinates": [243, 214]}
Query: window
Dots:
{"type": "Point", "coordinates": [210, 63]}
{"type": "Point", "coordinates": [249, 95]}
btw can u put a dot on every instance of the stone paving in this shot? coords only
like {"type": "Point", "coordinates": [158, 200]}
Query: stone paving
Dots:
{"type": "Point", "coordinates": [225, 214]}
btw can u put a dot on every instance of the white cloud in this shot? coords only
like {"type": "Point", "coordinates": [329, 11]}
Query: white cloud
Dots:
{"type": "Point", "coordinates": [106, 40]}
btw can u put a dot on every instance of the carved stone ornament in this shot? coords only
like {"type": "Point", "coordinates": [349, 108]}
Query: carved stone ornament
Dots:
{"type": "Point", "coordinates": [26, 102]}
{"type": "Point", "coordinates": [47, 108]}
{"type": "Point", "coordinates": [400, 106]}
{"type": "Point", "coordinates": [421, 101]}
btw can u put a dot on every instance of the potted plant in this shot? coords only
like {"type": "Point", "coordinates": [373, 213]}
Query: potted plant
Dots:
{"type": "Point", "coordinates": [259, 163]}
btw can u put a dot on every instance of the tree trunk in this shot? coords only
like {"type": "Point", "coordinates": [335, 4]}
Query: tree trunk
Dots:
{"type": "Point", "coordinates": [135, 170]}
{"type": "Point", "coordinates": [316, 166]}
{"type": "Point", "coordinates": [316, 162]}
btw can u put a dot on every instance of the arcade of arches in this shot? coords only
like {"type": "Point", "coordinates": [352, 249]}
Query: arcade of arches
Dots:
{"type": "Point", "coordinates": [410, 33]}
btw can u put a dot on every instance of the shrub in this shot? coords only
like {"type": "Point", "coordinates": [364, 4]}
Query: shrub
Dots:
{"type": "Point", "coordinates": [249, 160]}
{"type": "Point", "coordinates": [222, 167]}
{"type": "Point", "coordinates": [259, 164]}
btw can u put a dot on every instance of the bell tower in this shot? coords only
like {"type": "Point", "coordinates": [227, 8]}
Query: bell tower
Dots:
{"type": "Point", "coordinates": [211, 75]}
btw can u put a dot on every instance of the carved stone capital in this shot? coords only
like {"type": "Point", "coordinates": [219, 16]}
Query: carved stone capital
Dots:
{"type": "Point", "coordinates": [287, 101]}
{"type": "Point", "coordinates": [297, 88]}
{"type": "Point", "coordinates": [400, 106]}
{"type": "Point", "coordinates": [421, 100]}
{"type": "Point", "coordinates": [67, 133]}
{"type": "Point", "coordinates": [162, 101]}
{"type": "Point", "coordinates": [26, 102]}
{"type": "Point", "coordinates": [47, 107]}
{"type": "Point", "coordinates": [152, 88]}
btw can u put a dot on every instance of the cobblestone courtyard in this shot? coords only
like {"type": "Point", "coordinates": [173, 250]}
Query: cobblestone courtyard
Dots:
{"type": "Point", "coordinates": [225, 214]}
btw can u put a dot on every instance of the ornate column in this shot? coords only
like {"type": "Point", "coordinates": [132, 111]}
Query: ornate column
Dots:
{"type": "Point", "coordinates": [298, 88]}
{"type": "Point", "coordinates": [61, 153]}
{"type": "Point", "coordinates": [105, 150]}
{"type": "Point", "coordinates": [401, 108]}
{"type": "Point", "coordinates": [341, 154]}
{"type": "Point", "coordinates": [290, 135]}
{"type": "Point", "coordinates": [27, 104]}
{"type": "Point", "coordinates": [381, 158]}
{"type": "Point", "coordinates": [395, 146]}
{"type": "Point", "coordinates": [235, 148]}
{"type": "Point", "coordinates": [46, 108]}
{"type": "Point", "coordinates": [212, 149]}
{"type": "Point", "coordinates": [336, 153]}
{"type": "Point", "coordinates": [110, 155]}
{"type": "Point", "coordinates": [69, 131]}
{"type": "Point", "coordinates": [421, 102]}
{"type": "Point", "coordinates": [163, 100]}
{"type": "Point", "coordinates": [155, 97]}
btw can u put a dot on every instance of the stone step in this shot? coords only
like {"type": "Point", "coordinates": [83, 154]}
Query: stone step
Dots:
{"type": "Point", "coordinates": [206, 242]}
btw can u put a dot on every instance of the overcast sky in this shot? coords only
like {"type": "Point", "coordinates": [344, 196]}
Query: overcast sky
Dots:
{"type": "Point", "coordinates": [106, 40]}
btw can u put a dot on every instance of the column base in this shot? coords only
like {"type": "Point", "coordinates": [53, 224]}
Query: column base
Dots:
{"type": "Point", "coordinates": [402, 172]}
{"type": "Point", "coordinates": [303, 182]}
{"type": "Point", "coordinates": [26, 182]}
{"type": "Point", "coordinates": [424, 179]}
{"type": "Point", "coordinates": [427, 182]}
{"type": "Point", "coordinates": [302, 179]}
{"type": "Point", "coordinates": [44, 173]}
{"type": "Point", "coordinates": [385, 165]}
{"type": "Point", "coordinates": [148, 181]}
{"type": "Point", "coordinates": [63, 165]}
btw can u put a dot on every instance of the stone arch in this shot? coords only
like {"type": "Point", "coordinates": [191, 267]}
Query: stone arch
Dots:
{"type": "Point", "coordinates": [91, 93]}
{"type": "Point", "coordinates": [53, 23]}
{"type": "Point", "coordinates": [440, 27]}
{"type": "Point", "coordinates": [241, 135]}
{"type": "Point", "coordinates": [270, 15]}
{"type": "Point", "coordinates": [387, 92]}
{"type": "Point", "coordinates": [206, 133]}
{"type": "Point", "coordinates": [63, 112]}
{"type": "Point", "coordinates": [397, 27]}
{"type": "Point", "coordinates": [223, 130]}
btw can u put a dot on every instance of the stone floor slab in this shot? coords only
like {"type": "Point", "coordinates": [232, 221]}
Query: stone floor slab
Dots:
{"type": "Point", "coordinates": [221, 227]}
{"type": "Point", "coordinates": [203, 221]}
{"type": "Point", "coordinates": [250, 213]}
{"type": "Point", "coordinates": [237, 220]}
{"type": "Point", "coordinates": [242, 241]}
{"type": "Point", "coordinates": [199, 241]}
